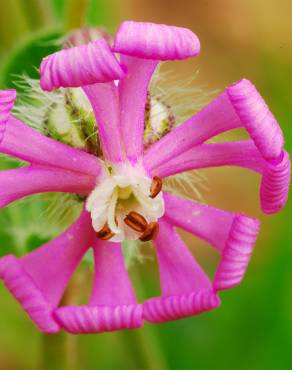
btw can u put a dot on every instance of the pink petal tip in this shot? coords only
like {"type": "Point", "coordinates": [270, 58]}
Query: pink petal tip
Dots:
{"type": "Point", "coordinates": [155, 41]}
{"type": "Point", "coordinates": [158, 310]}
{"type": "Point", "coordinates": [257, 118]}
{"type": "Point", "coordinates": [79, 66]}
{"type": "Point", "coordinates": [21, 285]}
{"type": "Point", "coordinates": [275, 184]}
{"type": "Point", "coordinates": [237, 252]}
{"type": "Point", "coordinates": [97, 319]}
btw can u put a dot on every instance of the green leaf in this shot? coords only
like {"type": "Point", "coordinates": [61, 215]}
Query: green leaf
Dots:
{"type": "Point", "coordinates": [27, 56]}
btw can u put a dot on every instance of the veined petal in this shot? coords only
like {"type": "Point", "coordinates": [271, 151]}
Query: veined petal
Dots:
{"type": "Point", "coordinates": [7, 99]}
{"type": "Point", "coordinates": [18, 183]}
{"type": "Point", "coordinates": [39, 279]}
{"type": "Point", "coordinates": [155, 41]}
{"type": "Point", "coordinates": [275, 184]}
{"type": "Point", "coordinates": [232, 234]}
{"type": "Point", "coordinates": [238, 153]}
{"type": "Point", "coordinates": [239, 106]}
{"type": "Point", "coordinates": [113, 305]}
{"type": "Point", "coordinates": [79, 66]}
{"type": "Point", "coordinates": [133, 94]}
{"type": "Point", "coordinates": [105, 103]}
{"type": "Point", "coordinates": [23, 142]}
{"type": "Point", "coordinates": [186, 289]}
{"type": "Point", "coordinates": [256, 118]}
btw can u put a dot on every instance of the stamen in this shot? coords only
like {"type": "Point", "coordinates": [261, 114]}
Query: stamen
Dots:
{"type": "Point", "coordinates": [105, 233]}
{"type": "Point", "coordinates": [156, 187]}
{"type": "Point", "coordinates": [150, 233]}
{"type": "Point", "coordinates": [136, 221]}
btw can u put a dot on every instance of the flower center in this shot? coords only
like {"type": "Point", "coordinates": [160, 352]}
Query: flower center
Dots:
{"type": "Point", "coordinates": [126, 204]}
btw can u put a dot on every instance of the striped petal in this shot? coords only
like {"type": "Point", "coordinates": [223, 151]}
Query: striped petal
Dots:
{"type": "Point", "coordinates": [18, 183]}
{"type": "Point", "coordinates": [39, 279]}
{"type": "Point", "coordinates": [7, 99]}
{"type": "Point", "coordinates": [275, 184]}
{"type": "Point", "coordinates": [113, 305]}
{"type": "Point", "coordinates": [186, 289]}
{"type": "Point", "coordinates": [155, 41]}
{"type": "Point", "coordinates": [232, 234]}
{"type": "Point", "coordinates": [79, 66]}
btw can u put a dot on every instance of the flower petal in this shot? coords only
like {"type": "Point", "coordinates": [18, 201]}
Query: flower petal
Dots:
{"type": "Point", "coordinates": [79, 66]}
{"type": "Point", "coordinates": [113, 305]}
{"type": "Point", "coordinates": [239, 106]}
{"type": "Point", "coordinates": [256, 118]}
{"type": "Point", "coordinates": [7, 99]}
{"type": "Point", "coordinates": [39, 279]}
{"type": "Point", "coordinates": [275, 184]}
{"type": "Point", "coordinates": [232, 234]}
{"type": "Point", "coordinates": [18, 183]}
{"type": "Point", "coordinates": [186, 289]}
{"type": "Point", "coordinates": [155, 41]}
{"type": "Point", "coordinates": [238, 153]}
{"type": "Point", "coordinates": [133, 95]}
{"type": "Point", "coordinates": [104, 101]}
{"type": "Point", "coordinates": [27, 144]}
{"type": "Point", "coordinates": [275, 173]}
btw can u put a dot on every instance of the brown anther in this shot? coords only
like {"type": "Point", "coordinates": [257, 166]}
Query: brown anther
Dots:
{"type": "Point", "coordinates": [105, 233]}
{"type": "Point", "coordinates": [136, 221]}
{"type": "Point", "coordinates": [150, 233]}
{"type": "Point", "coordinates": [156, 187]}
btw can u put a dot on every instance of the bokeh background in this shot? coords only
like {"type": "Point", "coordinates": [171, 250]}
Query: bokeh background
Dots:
{"type": "Point", "coordinates": [252, 330]}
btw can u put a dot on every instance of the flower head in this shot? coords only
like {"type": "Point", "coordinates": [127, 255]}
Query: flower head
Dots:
{"type": "Point", "coordinates": [122, 182]}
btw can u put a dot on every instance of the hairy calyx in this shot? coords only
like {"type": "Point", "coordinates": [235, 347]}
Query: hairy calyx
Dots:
{"type": "Point", "coordinates": [126, 204]}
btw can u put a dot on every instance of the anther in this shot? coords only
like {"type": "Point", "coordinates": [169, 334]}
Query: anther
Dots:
{"type": "Point", "coordinates": [105, 233]}
{"type": "Point", "coordinates": [156, 187]}
{"type": "Point", "coordinates": [136, 221]}
{"type": "Point", "coordinates": [150, 233]}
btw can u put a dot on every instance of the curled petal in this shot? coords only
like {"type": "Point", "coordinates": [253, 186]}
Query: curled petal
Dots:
{"type": "Point", "coordinates": [275, 173]}
{"type": "Point", "coordinates": [18, 183]}
{"type": "Point", "coordinates": [232, 234]}
{"type": "Point", "coordinates": [7, 99]}
{"type": "Point", "coordinates": [186, 289]}
{"type": "Point", "coordinates": [256, 118]}
{"type": "Point", "coordinates": [155, 41]}
{"type": "Point", "coordinates": [236, 253]}
{"type": "Point", "coordinates": [158, 310]}
{"type": "Point", "coordinates": [97, 319]}
{"type": "Point", "coordinates": [239, 106]}
{"type": "Point", "coordinates": [113, 305]}
{"type": "Point", "coordinates": [275, 184]}
{"type": "Point", "coordinates": [23, 142]}
{"type": "Point", "coordinates": [79, 66]}
{"type": "Point", "coordinates": [39, 279]}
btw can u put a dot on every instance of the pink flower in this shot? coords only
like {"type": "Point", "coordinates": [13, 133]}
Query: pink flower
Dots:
{"type": "Point", "coordinates": [124, 200]}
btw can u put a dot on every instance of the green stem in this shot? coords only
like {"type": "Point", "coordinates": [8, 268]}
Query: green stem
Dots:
{"type": "Point", "coordinates": [53, 352]}
{"type": "Point", "coordinates": [75, 13]}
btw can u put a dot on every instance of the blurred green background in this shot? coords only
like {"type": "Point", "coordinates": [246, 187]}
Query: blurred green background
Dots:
{"type": "Point", "coordinates": [252, 330]}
